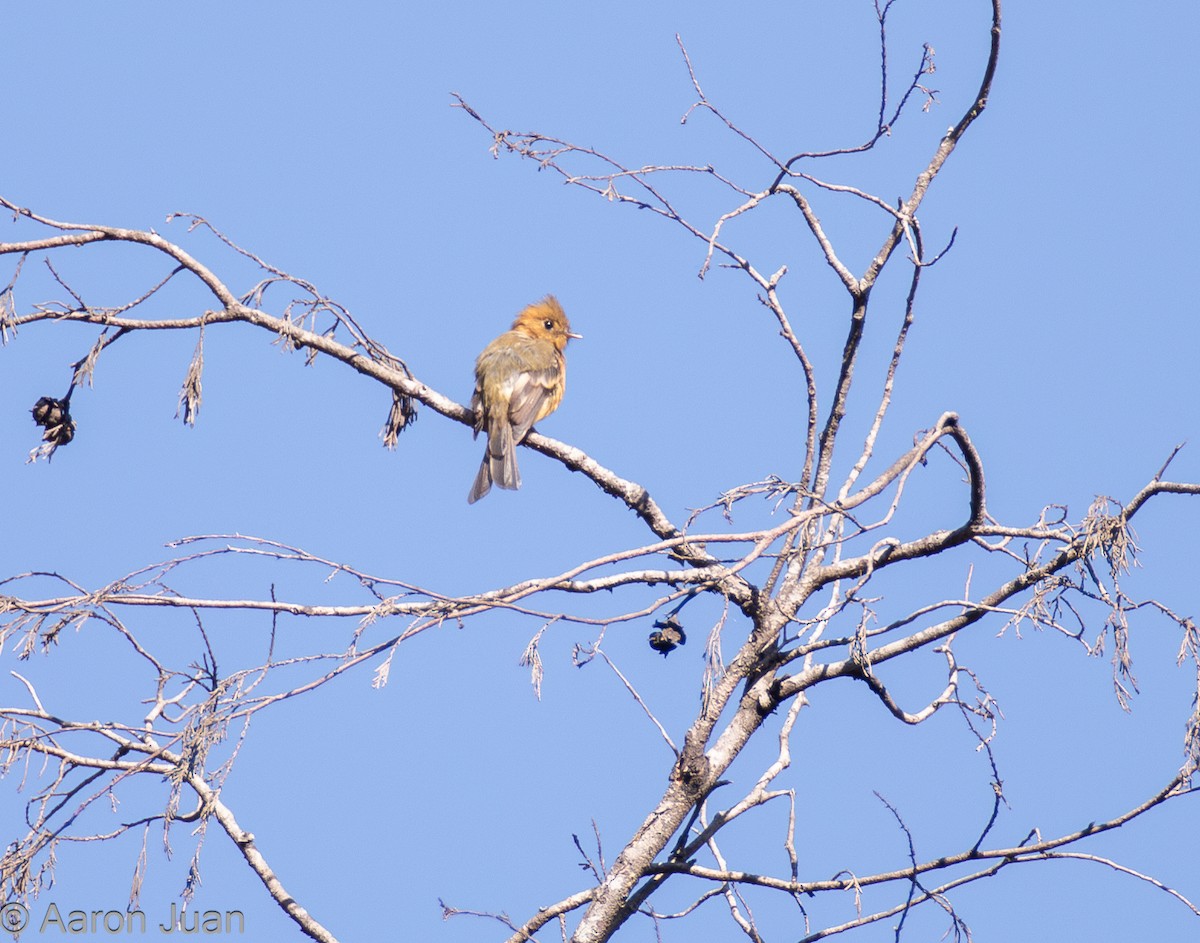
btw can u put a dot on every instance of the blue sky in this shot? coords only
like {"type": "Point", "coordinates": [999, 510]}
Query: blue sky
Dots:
{"type": "Point", "coordinates": [321, 137]}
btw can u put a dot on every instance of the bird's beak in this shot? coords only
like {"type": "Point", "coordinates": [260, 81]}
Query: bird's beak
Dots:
{"type": "Point", "coordinates": [577, 337]}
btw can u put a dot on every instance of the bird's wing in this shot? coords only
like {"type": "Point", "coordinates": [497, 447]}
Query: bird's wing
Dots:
{"type": "Point", "coordinates": [523, 373]}
{"type": "Point", "coordinates": [532, 398]}
{"type": "Point", "coordinates": [477, 408]}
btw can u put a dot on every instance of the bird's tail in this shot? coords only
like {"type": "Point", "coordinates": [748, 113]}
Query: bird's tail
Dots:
{"type": "Point", "coordinates": [499, 463]}
{"type": "Point", "coordinates": [483, 482]}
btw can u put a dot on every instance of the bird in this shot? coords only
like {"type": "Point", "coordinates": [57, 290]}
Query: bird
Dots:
{"type": "Point", "coordinates": [519, 380]}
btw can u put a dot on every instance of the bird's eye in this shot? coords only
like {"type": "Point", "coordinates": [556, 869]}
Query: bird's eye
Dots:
{"type": "Point", "coordinates": [548, 324]}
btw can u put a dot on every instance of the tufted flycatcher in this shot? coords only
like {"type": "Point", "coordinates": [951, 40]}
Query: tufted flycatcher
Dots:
{"type": "Point", "coordinates": [519, 380]}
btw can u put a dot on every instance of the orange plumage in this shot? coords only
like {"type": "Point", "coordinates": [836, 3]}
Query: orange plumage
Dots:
{"type": "Point", "coordinates": [519, 380]}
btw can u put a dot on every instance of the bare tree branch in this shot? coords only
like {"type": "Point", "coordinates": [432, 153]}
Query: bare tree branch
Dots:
{"type": "Point", "coordinates": [797, 589]}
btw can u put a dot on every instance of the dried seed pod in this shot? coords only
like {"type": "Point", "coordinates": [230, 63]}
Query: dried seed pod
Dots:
{"type": "Point", "coordinates": [668, 635]}
{"type": "Point", "coordinates": [55, 417]}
